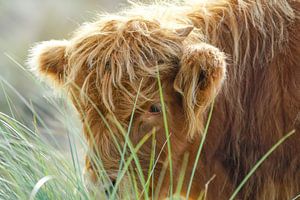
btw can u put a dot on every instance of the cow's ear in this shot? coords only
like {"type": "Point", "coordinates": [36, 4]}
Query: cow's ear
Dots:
{"type": "Point", "coordinates": [49, 60]}
{"type": "Point", "coordinates": [199, 78]}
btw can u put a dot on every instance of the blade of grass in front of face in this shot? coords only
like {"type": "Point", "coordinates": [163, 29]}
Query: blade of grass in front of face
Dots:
{"type": "Point", "coordinates": [201, 196]}
{"type": "Point", "coordinates": [166, 132]}
{"type": "Point", "coordinates": [199, 150]}
{"type": "Point", "coordinates": [152, 184]}
{"type": "Point", "coordinates": [134, 182]}
{"type": "Point", "coordinates": [160, 180]}
{"type": "Point", "coordinates": [260, 161]}
{"type": "Point", "coordinates": [182, 174]}
{"type": "Point", "coordinates": [203, 193]}
{"type": "Point", "coordinates": [151, 164]}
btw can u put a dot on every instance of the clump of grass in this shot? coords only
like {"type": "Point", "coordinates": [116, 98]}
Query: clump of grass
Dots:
{"type": "Point", "coordinates": [30, 168]}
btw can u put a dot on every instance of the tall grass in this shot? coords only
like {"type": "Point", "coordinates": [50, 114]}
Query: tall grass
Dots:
{"type": "Point", "coordinates": [32, 168]}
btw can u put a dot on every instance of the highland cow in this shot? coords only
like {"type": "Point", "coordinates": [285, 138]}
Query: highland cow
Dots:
{"type": "Point", "coordinates": [243, 53]}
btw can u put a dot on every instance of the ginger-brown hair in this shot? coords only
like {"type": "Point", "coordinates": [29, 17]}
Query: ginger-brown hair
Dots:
{"type": "Point", "coordinates": [106, 61]}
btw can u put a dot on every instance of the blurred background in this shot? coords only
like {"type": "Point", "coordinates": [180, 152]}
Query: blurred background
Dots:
{"type": "Point", "coordinates": [22, 23]}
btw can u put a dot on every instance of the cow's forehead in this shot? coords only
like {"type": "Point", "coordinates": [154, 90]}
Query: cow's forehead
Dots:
{"type": "Point", "coordinates": [117, 55]}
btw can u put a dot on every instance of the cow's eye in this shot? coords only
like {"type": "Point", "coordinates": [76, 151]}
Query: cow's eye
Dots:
{"type": "Point", "coordinates": [155, 108]}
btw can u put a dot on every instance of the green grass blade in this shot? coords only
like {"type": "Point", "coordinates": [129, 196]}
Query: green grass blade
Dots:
{"type": "Point", "coordinates": [182, 174]}
{"type": "Point", "coordinates": [260, 161]}
{"type": "Point", "coordinates": [38, 185]}
{"type": "Point", "coordinates": [200, 150]}
{"type": "Point", "coordinates": [166, 132]}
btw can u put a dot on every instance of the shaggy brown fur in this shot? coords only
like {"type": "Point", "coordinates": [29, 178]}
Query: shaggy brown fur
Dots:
{"type": "Point", "coordinates": [106, 61]}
